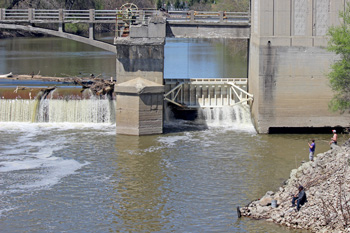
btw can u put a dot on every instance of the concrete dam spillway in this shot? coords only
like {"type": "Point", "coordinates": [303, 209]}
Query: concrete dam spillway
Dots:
{"type": "Point", "coordinates": [73, 109]}
{"type": "Point", "coordinates": [60, 105]}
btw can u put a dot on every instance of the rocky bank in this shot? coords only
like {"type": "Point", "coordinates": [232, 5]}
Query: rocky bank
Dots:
{"type": "Point", "coordinates": [327, 186]}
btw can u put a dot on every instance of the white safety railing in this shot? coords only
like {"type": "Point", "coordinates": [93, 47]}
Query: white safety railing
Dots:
{"type": "Point", "coordinates": [16, 14]}
{"type": "Point", "coordinates": [209, 16]}
{"type": "Point", "coordinates": [76, 15]}
{"type": "Point", "coordinates": [62, 15]}
{"type": "Point", "coordinates": [46, 14]}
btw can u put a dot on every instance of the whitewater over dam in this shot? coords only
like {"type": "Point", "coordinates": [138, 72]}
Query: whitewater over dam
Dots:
{"type": "Point", "coordinates": [93, 110]}
{"type": "Point", "coordinates": [72, 105]}
{"type": "Point", "coordinates": [102, 110]}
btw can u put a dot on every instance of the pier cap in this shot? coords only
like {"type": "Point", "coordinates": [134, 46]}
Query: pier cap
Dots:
{"type": "Point", "coordinates": [139, 86]}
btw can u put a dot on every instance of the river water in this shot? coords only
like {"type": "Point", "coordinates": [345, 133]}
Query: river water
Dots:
{"type": "Point", "coordinates": [82, 177]}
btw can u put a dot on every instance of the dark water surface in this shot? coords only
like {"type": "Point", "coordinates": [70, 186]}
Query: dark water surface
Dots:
{"type": "Point", "coordinates": [184, 58]}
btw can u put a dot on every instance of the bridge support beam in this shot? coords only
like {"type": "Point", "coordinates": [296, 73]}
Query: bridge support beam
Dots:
{"type": "Point", "coordinates": [91, 31]}
{"type": "Point", "coordinates": [288, 64]}
{"type": "Point", "coordinates": [91, 24]}
{"type": "Point", "coordinates": [60, 20]}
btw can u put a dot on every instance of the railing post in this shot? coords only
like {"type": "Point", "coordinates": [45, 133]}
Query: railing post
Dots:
{"type": "Point", "coordinates": [192, 16]}
{"type": "Point", "coordinates": [60, 20]}
{"type": "Point", "coordinates": [91, 24]}
{"type": "Point", "coordinates": [221, 16]}
{"type": "Point", "coordinates": [2, 13]}
{"type": "Point", "coordinates": [141, 17]}
{"type": "Point", "coordinates": [30, 14]}
{"type": "Point", "coordinates": [92, 15]}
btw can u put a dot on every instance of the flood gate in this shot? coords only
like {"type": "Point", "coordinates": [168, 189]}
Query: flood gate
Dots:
{"type": "Point", "coordinates": [203, 93]}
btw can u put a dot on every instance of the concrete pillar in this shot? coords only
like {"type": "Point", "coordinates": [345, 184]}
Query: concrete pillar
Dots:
{"type": "Point", "coordinates": [221, 16]}
{"type": "Point", "coordinates": [91, 31]}
{"type": "Point", "coordinates": [139, 107]}
{"type": "Point", "coordinates": [140, 60]}
{"type": "Point", "coordinates": [2, 13]}
{"type": "Point", "coordinates": [60, 20]}
{"type": "Point", "coordinates": [30, 14]}
{"type": "Point", "coordinates": [91, 24]}
{"type": "Point", "coordinates": [288, 64]}
{"type": "Point", "coordinates": [141, 19]}
{"type": "Point", "coordinates": [142, 53]}
{"type": "Point", "coordinates": [140, 89]}
{"type": "Point", "coordinates": [192, 16]}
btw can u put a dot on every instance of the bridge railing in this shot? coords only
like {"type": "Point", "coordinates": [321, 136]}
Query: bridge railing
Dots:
{"type": "Point", "coordinates": [109, 16]}
{"type": "Point", "coordinates": [208, 16]}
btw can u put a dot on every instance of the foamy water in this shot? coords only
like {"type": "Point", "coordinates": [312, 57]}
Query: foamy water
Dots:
{"type": "Point", "coordinates": [32, 157]}
{"type": "Point", "coordinates": [91, 110]}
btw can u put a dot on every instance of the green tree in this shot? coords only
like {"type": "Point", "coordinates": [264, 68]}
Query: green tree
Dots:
{"type": "Point", "coordinates": [177, 4]}
{"type": "Point", "coordinates": [159, 4]}
{"type": "Point", "coordinates": [339, 76]}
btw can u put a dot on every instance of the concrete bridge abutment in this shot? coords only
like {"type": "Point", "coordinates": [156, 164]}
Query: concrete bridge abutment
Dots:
{"type": "Point", "coordinates": [288, 64]}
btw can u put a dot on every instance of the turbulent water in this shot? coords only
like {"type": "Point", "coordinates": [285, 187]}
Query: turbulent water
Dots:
{"type": "Point", "coordinates": [82, 177]}
{"type": "Point", "coordinates": [57, 110]}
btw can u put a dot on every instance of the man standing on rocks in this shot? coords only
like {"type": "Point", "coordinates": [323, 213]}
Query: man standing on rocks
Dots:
{"type": "Point", "coordinates": [312, 147]}
{"type": "Point", "coordinates": [300, 198]}
{"type": "Point", "coordinates": [334, 138]}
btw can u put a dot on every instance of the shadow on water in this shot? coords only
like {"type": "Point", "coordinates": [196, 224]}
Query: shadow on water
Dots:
{"type": "Point", "coordinates": [178, 126]}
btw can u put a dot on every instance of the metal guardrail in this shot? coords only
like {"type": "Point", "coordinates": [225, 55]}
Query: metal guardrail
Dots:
{"type": "Point", "coordinates": [109, 16]}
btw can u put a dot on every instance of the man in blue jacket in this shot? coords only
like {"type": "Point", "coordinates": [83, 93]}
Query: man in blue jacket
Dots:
{"type": "Point", "coordinates": [312, 147]}
{"type": "Point", "coordinates": [300, 198]}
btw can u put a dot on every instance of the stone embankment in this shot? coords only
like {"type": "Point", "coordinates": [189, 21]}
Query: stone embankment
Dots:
{"type": "Point", "coordinates": [327, 186]}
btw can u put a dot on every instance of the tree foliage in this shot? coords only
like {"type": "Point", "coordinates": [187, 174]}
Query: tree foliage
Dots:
{"type": "Point", "coordinates": [339, 76]}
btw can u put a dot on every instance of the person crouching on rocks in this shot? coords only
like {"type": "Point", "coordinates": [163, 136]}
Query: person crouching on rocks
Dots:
{"type": "Point", "coordinates": [300, 198]}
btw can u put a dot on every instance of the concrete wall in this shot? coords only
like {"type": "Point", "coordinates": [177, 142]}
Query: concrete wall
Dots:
{"type": "Point", "coordinates": [288, 63]}
{"type": "Point", "coordinates": [146, 61]}
{"type": "Point", "coordinates": [142, 53]}
{"type": "Point", "coordinates": [208, 31]}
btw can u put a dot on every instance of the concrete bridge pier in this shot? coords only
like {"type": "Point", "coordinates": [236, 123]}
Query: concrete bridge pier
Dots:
{"type": "Point", "coordinates": [140, 88]}
{"type": "Point", "coordinates": [60, 20]}
{"type": "Point", "coordinates": [288, 64]}
{"type": "Point", "coordinates": [91, 24]}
